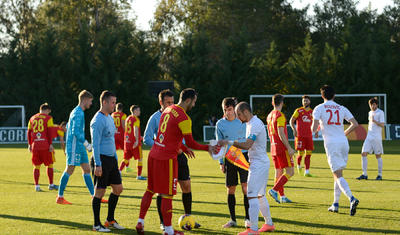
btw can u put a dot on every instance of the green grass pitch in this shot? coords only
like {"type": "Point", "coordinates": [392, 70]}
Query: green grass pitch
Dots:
{"type": "Point", "coordinates": [24, 211]}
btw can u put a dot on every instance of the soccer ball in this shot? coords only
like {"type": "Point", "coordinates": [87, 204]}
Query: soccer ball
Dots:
{"type": "Point", "coordinates": [186, 222]}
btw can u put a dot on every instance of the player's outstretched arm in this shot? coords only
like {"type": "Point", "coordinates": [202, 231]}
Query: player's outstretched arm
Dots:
{"type": "Point", "coordinates": [352, 127]}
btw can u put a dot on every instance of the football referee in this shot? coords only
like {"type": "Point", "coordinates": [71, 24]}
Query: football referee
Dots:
{"type": "Point", "coordinates": [102, 130]}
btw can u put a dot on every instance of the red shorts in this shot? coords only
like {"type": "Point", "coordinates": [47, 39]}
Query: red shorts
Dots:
{"type": "Point", "coordinates": [304, 143]}
{"type": "Point", "coordinates": [119, 142]}
{"type": "Point", "coordinates": [162, 175]}
{"type": "Point", "coordinates": [136, 153]}
{"type": "Point", "coordinates": [42, 157]}
{"type": "Point", "coordinates": [282, 160]}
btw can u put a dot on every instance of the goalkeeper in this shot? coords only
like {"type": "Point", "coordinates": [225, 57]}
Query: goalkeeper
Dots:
{"type": "Point", "coordinates": [231, 128]}
{"type": "Point", "coordinates": [76, 146]}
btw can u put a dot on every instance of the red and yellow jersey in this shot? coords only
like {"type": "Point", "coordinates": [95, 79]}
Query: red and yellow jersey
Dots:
{"type": "Point", "coordinates": [304, 119]}
{"type": "Point", "coordinates": [174, 125]}
{"type": "Point", "coordinates": [275, 120]}
{"type": "Point", "coordinates": [130, 123]}
{"type": "Point", "coordinates": [119, 118]}
{"type": "Point", "coordinates": [57, 131]}
{"type": "Point", "coordinates": [40, 131]}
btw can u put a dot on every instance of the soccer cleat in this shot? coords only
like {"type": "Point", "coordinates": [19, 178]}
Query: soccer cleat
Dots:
{"type": "Point", "coordinates": [175, 233]}
{"type": "Point", "coordinates": [334, 208]}
{"type": "Point", "coordinates": [53, 187]}
{"type": "Point", "coordinates": [247, 223]}
{"type": "Point", "coordinates": [61, 200]}
{"type": "Point", "coordinates": [38, 189]}
{"type": "Point", "coordinates": [362, 177]}
{"type": "Point", "coordinates": [230, 224]}
{"type": "Point", "coordinates": [285, 200]}
{"type": "Point", "coordinates": [378, 177]}
{"type": "Point", "coordinates": [162, 227]}
{"type": "Point", "coordinates": [113, 223]}
{"type": "Point", "coordinates": [101, 228]}
{"type": "Point", "coordinates": [140, 228]}
{"type": "Point", "coordinates": [128, 169]}
{"type": "Point", "coordinates": [267, 228]}
{"type": "Point", "coordinates": [197, 225]}
{"type": "Point", "coordinates": [139, 177]}
{"type": "Point", "coordinates": [249, 232]}
{"type": "Point", "coordinates": [308, 175]}
{"type": "Point", "coordinates": [274, 195]}
{"type": "Point", "coordinates": [353, 206]}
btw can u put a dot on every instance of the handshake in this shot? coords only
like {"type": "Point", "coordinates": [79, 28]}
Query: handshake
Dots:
{"type": "Point", "coordinates": [88, 146]}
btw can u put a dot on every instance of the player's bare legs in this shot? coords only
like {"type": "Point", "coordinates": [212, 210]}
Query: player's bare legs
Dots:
{"type": "Point", "coordinates": [341, 183]}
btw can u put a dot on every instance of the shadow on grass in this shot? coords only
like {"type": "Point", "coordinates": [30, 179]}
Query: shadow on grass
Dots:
{"type": "Point", "coordinates": [336, 227]}
{"type": "Point", "coordinates": [67, 224]}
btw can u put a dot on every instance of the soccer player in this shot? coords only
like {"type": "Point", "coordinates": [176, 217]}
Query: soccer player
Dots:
{"type": "Point", "coordinates": [60, 132]}
{"type": "Point", "coordinates": [174, 125]}
{"type": "Point", "coordinates": [303, 135]}
{"type": "Point", "coordinates": [102, 130]}
{"type": "Point", "coordinates": [373, 142]}
{"type": "Point", "coordinates": [40, 144]}
{"type": "Point", "coordinates": [256, 143]}
{"type": "Point", "coordinates": [329, 116]}
{"type": "Point", "coordinates": [132, 142]}
{"type": "Point", "coordinates": [231, 128]}
{"type": "Point", "coordinates": [281, 151]}
{"type": "Point", "coordinates": [76, 146]}
{"type": "Point", "coordinates": [119, 120]}
{"type": "Point", "coordinates": [165, 99]}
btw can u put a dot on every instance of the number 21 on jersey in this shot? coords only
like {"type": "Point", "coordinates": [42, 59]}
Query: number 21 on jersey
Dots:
{"type": "Point", "coordinates": [332, 116]}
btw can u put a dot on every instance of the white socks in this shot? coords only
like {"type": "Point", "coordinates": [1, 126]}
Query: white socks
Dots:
{"type": "Point", "coordinates": [336, 192]}
{"type": "Point", "coordinates": [380, 165]}
{"type": "Point", "coordinates": [364, 163]}
{"type": "Point", "coordinates": [264, 208]}
{"type": "Point", "coordinates": [254, 208]}
{"type": "Point", "coordinates": [344, 186]}
{"type": "Point", "coordinates": [169, 230]}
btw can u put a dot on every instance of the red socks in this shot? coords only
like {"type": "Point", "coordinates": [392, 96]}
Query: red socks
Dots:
{"type": "Point", "coordinates": [281, 182]}
{"type": "Point", "coordinates": [145, 204]}
{"type": "Point", "coordinates": [166, 210]}
{"type": "Point", "coordinates": [307, 161]}
{"type": "Point", "coordinates": [50, 174]}
{"type": "Point", "coordinates": [36, 174]}
{"type": "Point", "coordinates": [299, 157]}
{"type": "Point", "coordinates": [122, 166]}
{"type": "Point", "coordinates": [139, 170]}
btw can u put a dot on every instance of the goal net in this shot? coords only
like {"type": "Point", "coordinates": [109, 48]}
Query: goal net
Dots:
{"type": "Point", "coordinates": [12, 116]}
{"type": "Point", "coordinates": [356, 103]}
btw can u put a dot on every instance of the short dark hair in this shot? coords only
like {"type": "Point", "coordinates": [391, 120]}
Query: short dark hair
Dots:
{"type": "Point", "coordinates": [243, 106]}
{"type": "Point", "coordinates": [188, 93]}
{"type": "Point", "coordinates": [85, 95]}
{"type": "Point", "coordinates": [305, 97]}
{"type": "Point", "coordinates": [164, 93]}
{"type": "Point", "coordinates": [229, 102]}
{"type": "Point", "coordinates": [44, 106]}
{"type": "Point", "coordinates": [277, 99]}
{"type": "Point", "coordinates": [327, 92]}
{"type": "Point", "coordinates": [133, 107]}
{"type": "Point", "coordinates": [119, 106]}
{"type": "Point", "coordinates": [105, 95]}
{"type": "Point", "coordinates": [373, 100]}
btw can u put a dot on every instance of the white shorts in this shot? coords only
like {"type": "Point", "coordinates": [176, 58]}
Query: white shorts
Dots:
{"type": "Point", "coordinates": [257, 179]}
{"type": "Point", "coordinates": [337, 155]}
{"type": "Point", "coordinates": [372, 145]}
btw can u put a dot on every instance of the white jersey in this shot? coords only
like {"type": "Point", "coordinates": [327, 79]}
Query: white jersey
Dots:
{"type": "Point", "coordinates": [375, 131]}
{"type": "Point", "coordinates": [330, 116]}
{"type": "Point", "coordinates": [255, 130]}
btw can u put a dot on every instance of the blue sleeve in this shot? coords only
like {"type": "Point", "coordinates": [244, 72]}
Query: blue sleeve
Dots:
{"type": "Point", "coordinates": [150, 131]}
{"type": "Point", "coordinates": [219, 136]}
{"type": "Point", "coordinates": [96, 129]}
{"type": "Point", "coordinates": [76, 127]}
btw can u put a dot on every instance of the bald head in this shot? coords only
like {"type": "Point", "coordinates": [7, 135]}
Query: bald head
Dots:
{"type": "Point", "coordinates": [243, 111]}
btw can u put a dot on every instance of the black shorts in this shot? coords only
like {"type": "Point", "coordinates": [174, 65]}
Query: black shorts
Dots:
{"type": "Point", "coordinates": [232, 171]}
{"type": "Point", "coordinates": [183, 167]}
{"type": "Point", "coordinates": [110, 173]}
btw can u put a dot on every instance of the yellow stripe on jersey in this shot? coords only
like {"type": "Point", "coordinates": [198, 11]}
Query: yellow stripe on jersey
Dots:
{"type": "Point", "coordinates": [171, 176]}
{"type": "Point", "coordinates": [186, 126]}
{"type": "Point", "coordinates": [137, 122]}
{"type": "Point", "coordinates": [50, 122]}
{"type": "Point", "coordinates": [29, 125]}
{"type": "Point", "coordinates": [123, 117]}
{"type": "Point", "coordinates": [296, 113]}
{"type": "Point", "coordinates": [60, 133]}
{"type": "Point", "coordinates": [281, 121]}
